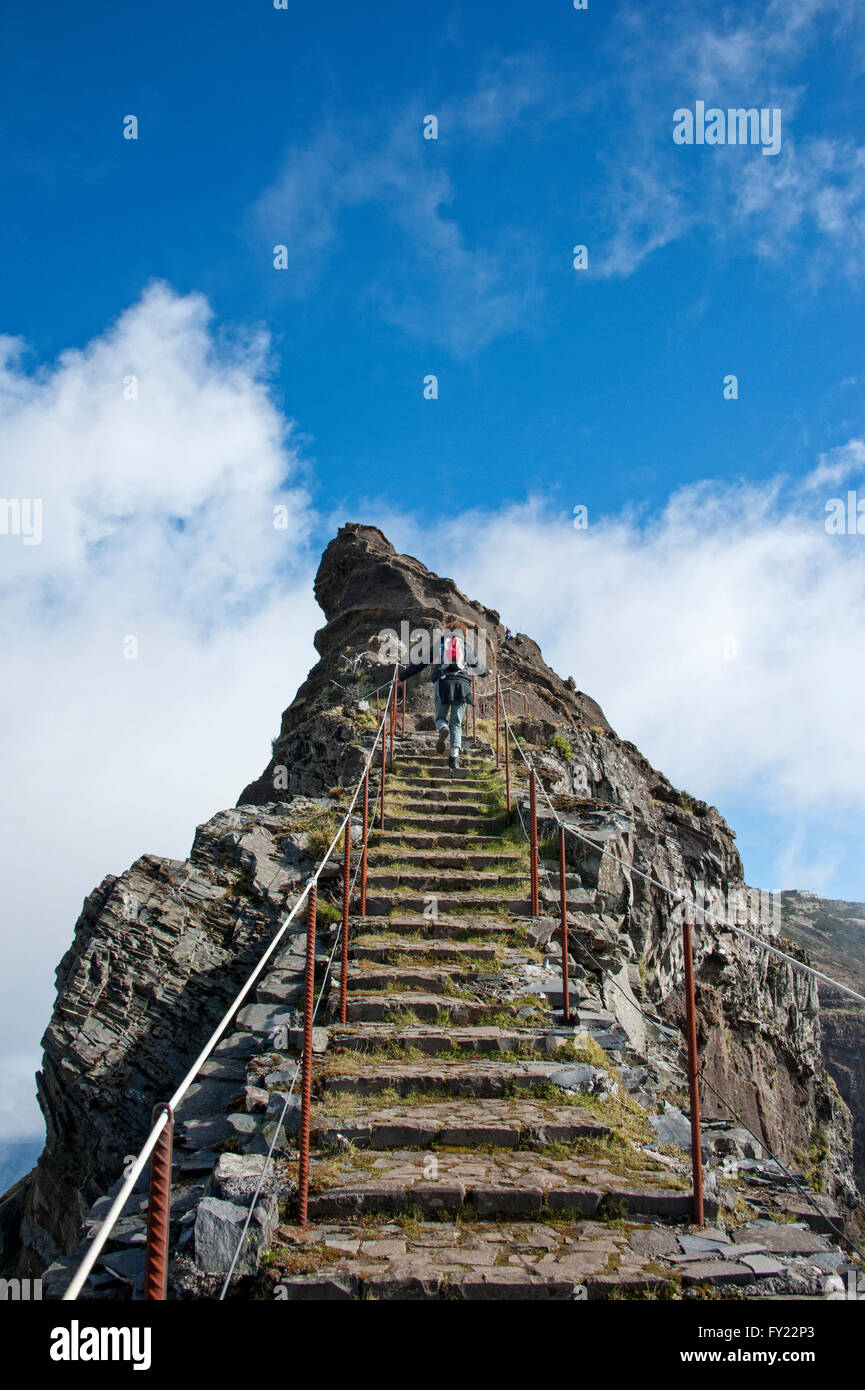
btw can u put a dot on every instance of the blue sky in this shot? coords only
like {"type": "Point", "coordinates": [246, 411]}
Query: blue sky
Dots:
{"type": "Point", "coordinates": [557, 386]}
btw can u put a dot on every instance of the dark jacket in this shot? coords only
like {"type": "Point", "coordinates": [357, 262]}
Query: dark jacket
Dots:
{"type": "Point", "coordinates": [452, 686]}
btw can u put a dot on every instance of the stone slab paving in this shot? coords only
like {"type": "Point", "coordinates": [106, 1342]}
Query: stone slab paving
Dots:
{"type": "Point", "coordinates": [430, 1178]}
{"type": "Point", "coordinates": [460, 1124]}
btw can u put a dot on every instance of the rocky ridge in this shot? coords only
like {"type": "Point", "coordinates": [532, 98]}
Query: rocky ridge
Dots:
{"type": "Point", "coordinates": [157, 951]}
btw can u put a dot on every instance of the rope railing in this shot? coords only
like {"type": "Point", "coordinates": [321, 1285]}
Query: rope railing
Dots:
{"type": "Point", "coordinates": [267, 1163]}
{"type": "Point", "coordinates": [168, 1110]}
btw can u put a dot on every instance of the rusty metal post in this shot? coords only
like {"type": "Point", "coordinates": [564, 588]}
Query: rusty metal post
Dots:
{"type": "Point", "coordinates": [383, 761]}
{"type": "Point", "coordinates": [474, 714]}
{"type": "Point", "coordinates": [346, 888]}
{"type": "Point", "coordinates": [306, 1059]}
{"type": "Point", "coordinates": [533, 838]}
{"type": "Point", "coordinates": [498, 717]}
{"type": "Point", "coordinates": [508, 768]}
{"type": "Point", "coordinates": [394, 696]}
{"type": "Point", "coordinates": [159, 1210]}
{"type": "Point", "coordinates": [693, 1084]}
{"type": "Point", "coordinates": [365, 838]}
{"type": "Point", "coordinates": [563, 894]}
{"type": "Point", "coordinates": [404, 684]}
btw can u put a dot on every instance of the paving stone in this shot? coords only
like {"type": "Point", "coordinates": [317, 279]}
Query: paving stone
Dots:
{"type": "Point", "coordinates": [383, 1249]}
{"type": "Point", "coordinates": [653, 1243]}
{"type": "Point", "coordinates": [695, 1244]}
{"type": "Point", "coordinates": [716, 1272]}
{"type": "Point", "coordinates": [778, 1239]}
{"type": "Point", "coordinates": [762, 1264]}
{"type": "Point", "coordinates": [317, 1288]}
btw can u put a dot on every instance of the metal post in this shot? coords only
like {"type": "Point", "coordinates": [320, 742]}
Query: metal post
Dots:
{"type": "Point", "coordinates": [306, 1059]}
{"type": "Point", "coordinates": [159, 1210]}
{"type": "Point", "coordinates": [393, 699]}
{"type": "Point", "coordinates": [383, 761]}
{"type": "Point", "coordinates": [365, 837]}
{"type": "Point", "coordinates": [563, 894]}
{"type": "Point", "coordinates": [346, 887]}
{"type": "Point", "coordinates": [693, 1084]}
{"type": "Point", "coordinates": [533, 839]}
{"type": "Point", "coordinates": [508, 768]}
{"type": "Point", "coordinates": [403, 706]}
{"type": "Point", "coordinates": [474, 715]}
{"type": "Point", "coordinates": [498, 702]}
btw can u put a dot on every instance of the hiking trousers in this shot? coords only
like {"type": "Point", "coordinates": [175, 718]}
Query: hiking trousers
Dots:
{"type": "Point", "coordinates": [454, 722]}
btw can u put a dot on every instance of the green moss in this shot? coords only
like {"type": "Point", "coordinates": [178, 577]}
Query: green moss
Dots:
{"type": "Point", "coordinates": [560, 744]}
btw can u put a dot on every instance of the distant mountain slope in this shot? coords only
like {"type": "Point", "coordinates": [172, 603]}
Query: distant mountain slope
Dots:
{"type": "Point", "coordinates": [833, 932]}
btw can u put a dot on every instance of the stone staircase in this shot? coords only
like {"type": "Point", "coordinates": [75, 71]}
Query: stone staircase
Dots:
{"type": "Point", "coordinates": [465, 1144]}
{"type": "Point", "coordinates": [450, 1158]}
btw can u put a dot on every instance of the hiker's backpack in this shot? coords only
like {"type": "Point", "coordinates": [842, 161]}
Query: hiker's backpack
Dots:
{"type": "Point", "coordinates": [453, 653]}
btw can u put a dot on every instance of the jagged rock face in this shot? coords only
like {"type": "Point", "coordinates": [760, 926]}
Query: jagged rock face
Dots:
{"type": "Point", "coordinates": [364, 586]}
{"type": "Point", "coordinates": [159, 952]}
{"type": "Point", "coordinates": [157, 955]}
{"type": "Point", "coordinates": [833, 933]}
{"type": "Point", "coordinates": [759, 1018]}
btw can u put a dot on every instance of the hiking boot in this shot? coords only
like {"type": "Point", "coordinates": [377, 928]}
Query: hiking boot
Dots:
{"type": "Point", "coordinates": [443, 739]}
{"type": "Point", "coordinates": [454, 762]}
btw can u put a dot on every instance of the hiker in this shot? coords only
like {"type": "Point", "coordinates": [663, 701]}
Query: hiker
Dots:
{"type": "Point", "coordinates": [508, 634]}
{"type": "Point", "coordinates": [452, 687]}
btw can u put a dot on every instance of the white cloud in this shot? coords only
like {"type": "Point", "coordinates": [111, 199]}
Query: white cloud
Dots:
{"type": "Point", "coordinates": [158, 524]}
{"type": "Point", "coordinates": [836, 466]}
{"type": "Point", "coordinates": [804, 206]}
{"type": "Point", "coordinates": [640, 612]}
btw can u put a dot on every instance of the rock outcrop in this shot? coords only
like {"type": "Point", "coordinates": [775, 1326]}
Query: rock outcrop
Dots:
{"type": "Point", "coordinates": [158, 952]}
{"type": "Point", "coordinates": [833, 934]}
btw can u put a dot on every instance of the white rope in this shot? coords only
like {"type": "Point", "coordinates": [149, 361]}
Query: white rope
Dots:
{"type": "Point", "coordinates": [119, 1202]}
{"type": "Point", "coordinates": [682, 897]}
{"type": "Point", "coordinates": [290, 1091]}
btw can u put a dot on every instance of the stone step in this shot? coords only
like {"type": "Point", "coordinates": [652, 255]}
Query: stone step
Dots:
{"type": "Point", "coordinates": [444, 779]}
{"type": "Point", "coordinates": [506, 1184]}
{"type": "Point", "coordinates": [426, 839]}
{"type": "Point", "coordinates": [508, 1124]}
{"type": "Point", "coordinates": [430, 758]}
{"type": "Point", "coordinates": [375, 1008]}
{"type": "Point", "coordinates": [422, 792]}
{"type": "Point", "coordinates": [437, 806]}
{"type": "Point", "coordinates": [431, 979]}
{"type": "Point", "coordinates": [452, 824]}
{"type": "Point", "coordinates": [461, 858]}
{"type": "Point", "coordinates": [478, 1077]}
{"type": "Point", "coordinates": [453, 879]}
{"type": "Point", "coordinates": [433, 1260]}
{"type": "Point", "coordinates": [426, 950]}
{"type": "Point", "coordinates": [410, 903]}
{"type": "Point", "coordinates": [443, 928]}
{"type": "Point", "coordinates": [432, 1040]}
